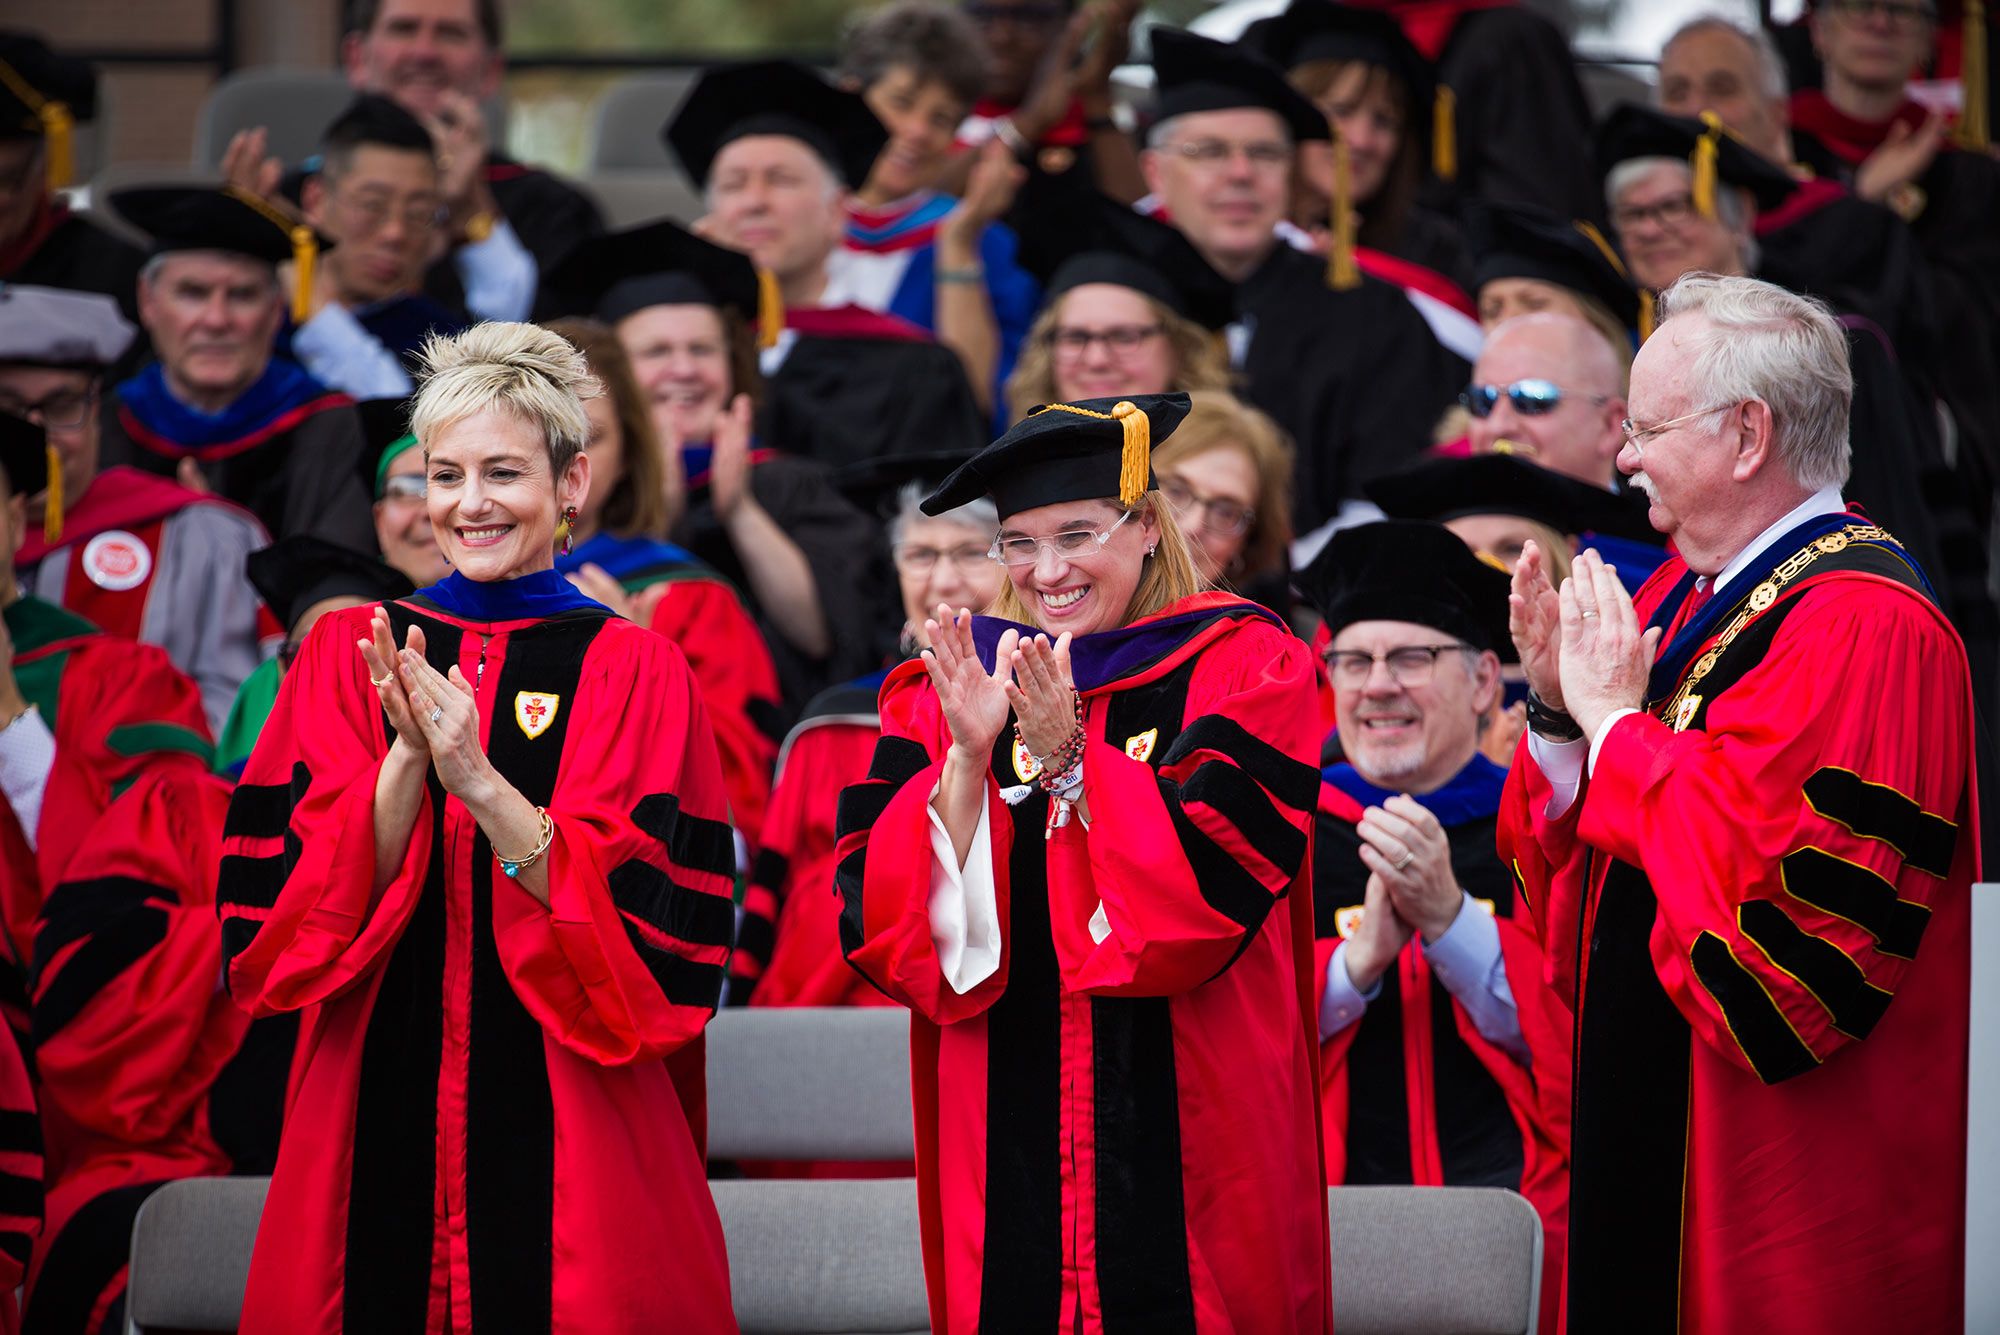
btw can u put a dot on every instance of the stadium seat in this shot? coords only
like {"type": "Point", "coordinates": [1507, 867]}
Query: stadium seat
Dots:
{"type": "Point", "coordinates": [809, 1083]}
{"type": "Point", "coordinates": [295, 105]}
{"type": "Point", "coordinates": [1434, 1261]}
{"type": "Point", "coordinates": [628, 198]}
{"type": "Point", "coordinates": [625, 136]}
{"type": "Point", "coordinates": [191, 1254]}
{"type": "Point", "coordinates": [816, 1258]}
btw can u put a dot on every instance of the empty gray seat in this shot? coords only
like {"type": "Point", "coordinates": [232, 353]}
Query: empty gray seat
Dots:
{"type": "Point", "coordinates": [816, 1258]}
{"type": "Point", "coordinates": [628, 198]}
{"type": "Point", "coordinates": [295, 105]}
{"type": "Point", "coordinates": [625, 135]}
{"type": "Point", "coordinates": [1434, 1261]}
{"type": "Point", "coordinates": [810, 1083]}
{"type": "Point", "coordinates": [191, 1254]}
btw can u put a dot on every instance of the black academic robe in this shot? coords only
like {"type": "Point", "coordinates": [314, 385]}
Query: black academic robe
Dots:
{"type": "Point", "coordinates": [1355, 377]}
{"type": "Point", "coordinates": [844, 400]}
{"type": "Point", "coordinates": [79, 255]}
{"type": "Point", "coordinates": [547, 213]}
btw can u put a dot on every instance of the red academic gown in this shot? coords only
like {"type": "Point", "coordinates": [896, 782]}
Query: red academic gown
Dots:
{"type": "Point", "coordinates": [1769, 1123]}
{"type": "Point", "coordinates": [20, 1178]}
{"type": "Point", "coordinates": [1117, 1131]}
{"type": "Point", "coordinates": [1411, 1093]}
{"type": "Point", "coordinates": [483, 1135]}
{"type": "Point", "coordinates": [148, 1072]}
{"type": "Point", "coordinates": [738, 683]}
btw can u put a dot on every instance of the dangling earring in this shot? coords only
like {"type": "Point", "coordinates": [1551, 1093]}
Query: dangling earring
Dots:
{"type": "Point", "coordinates": [569, 531]}
{"type": "Point", "coordinates": [1149, 551]}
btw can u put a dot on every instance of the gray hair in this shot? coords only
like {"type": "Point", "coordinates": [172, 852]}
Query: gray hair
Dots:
{"type": "Point", "coordinates": [522, 370]}
{"type": "Point", "coordinates": [1786, 351]}
{"type": "Point", "coordinates": [1732, 206]}
{"type": "Point", "coordinates": [932, 40]}
{"type": "Point", "coordinates": [980, 514]}
{"type": "Point", "coordinates": [1772, 81]}
{"type": "Point", "coordinates": [1162, 131]}
{"type": "Point", "coordinates": [149, 272]}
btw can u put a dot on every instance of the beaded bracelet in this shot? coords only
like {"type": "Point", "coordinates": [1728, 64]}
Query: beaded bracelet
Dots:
{"type": "Point", "coordinates": [1057, 764]}
{"type": "Point", "coordinates": [514, 866]}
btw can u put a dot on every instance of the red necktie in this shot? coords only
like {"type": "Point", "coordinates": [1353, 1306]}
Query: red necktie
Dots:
{"type": "Point", "coordinates": [1696, 600]}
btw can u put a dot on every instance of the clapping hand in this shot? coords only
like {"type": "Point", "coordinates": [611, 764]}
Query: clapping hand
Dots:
{"type": "Point", "coordinates": [448, 714]}
{"type": "Point", "coordinates": [975, 701]}
{"type": "Point", "coordinates": [1041, 694]}
{"type": "Point", "coordinates": [1404, 846]}
{"type": "Point", "coordinates": [379, 653]}
{"type": "Point", "coordinates": [1534, 619]}
{"type": "Point", "coordinates": [1606, 657]}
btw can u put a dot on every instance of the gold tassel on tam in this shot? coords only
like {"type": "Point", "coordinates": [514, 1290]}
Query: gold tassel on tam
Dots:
{"type": "Point", "coordinates": [1342, 273]}
{"type": "Point", "coordinates": [1135, 464]}
{"type": "Point", "coordinates": [58, 125]}
{"type": "Point", "coordinates": [1596, 238]}
{"type": "Point", "coordinates": [52, 512]}
{"type": "Point", "coordinates": [1974, 132]}
{"type": "Point", "coordinates": [770, 309]}
{"type": "Point", "coordinates": [1703, 164]}
{"type": "Point", "coordinates": [305, 250]}
{"type": "Point", "coordinates": [1444, 135]}
{"type": "Point", "coordinates": [1645, 315]}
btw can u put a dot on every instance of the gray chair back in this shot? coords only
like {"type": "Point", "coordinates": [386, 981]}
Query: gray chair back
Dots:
{"type": "Point", "coordinates": [191, 1249]}
{"type": "Point", "coordinates": [628, 198]}
{"type": "Point", "coordinates": [810, 1083]}
{"type": "Point", "coordinates": [1434, 1261]}
{"type": "Point", "coordinates": [625, 136]}
{"type": "Point", "coordinates": [295, 105]}
{"type": "Point", "coordinates": [824, 1258]}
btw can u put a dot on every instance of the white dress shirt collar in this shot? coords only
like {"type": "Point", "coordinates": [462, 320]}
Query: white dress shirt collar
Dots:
{"type": "Point", "coordinates": [1825, 501]}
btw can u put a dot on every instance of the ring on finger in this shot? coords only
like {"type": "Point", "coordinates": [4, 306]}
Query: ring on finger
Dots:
{"type": "Point", "coordinates": [1588, 615]}
{"type": "Point", "coordinates": [1407, 858]}
{"type": "Point", "coordinates": [380, 682]}
{"type": "Point", "coordinates": [437, 712]}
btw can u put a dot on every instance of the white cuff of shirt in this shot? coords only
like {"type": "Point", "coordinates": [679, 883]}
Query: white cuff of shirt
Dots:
{"type": "Point", "coordinates": [1561, 763]}
{"type": "Point", "coordinates": [964, 907]}
{"type": "Point", "coordinates": [1343, 1002]}
{"type": "Point", "coordinates": [27, 753]}
{"type": "Point", "coordinates": [342, 354]}
{"type": "Point", "coordinates": [498, 274]}
{"type": "Point", "coordinates": [1603, 731]}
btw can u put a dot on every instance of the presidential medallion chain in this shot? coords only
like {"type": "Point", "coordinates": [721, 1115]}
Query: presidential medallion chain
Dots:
{"type": "Point", "coordinates": [1681, 707]}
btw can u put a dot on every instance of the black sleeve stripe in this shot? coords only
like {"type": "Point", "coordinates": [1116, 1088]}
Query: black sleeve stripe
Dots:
{"type": "Point", "coordinates": [1235, 796]}
{"type": "Point", "coordinates": [1851, 891]}
{"type": "Point", "coordinates": [20, 1132]}
{"type": "Point", "coordinates": [20, 1196]}
{"type": "Point", "coordinates": [848, 874]}
{"type": "Point", "coordinates": [649, 894]}
{"type": "Point", "coordinates": [1854, 1004]}
{"type": "Point", "coordinates": [264, 810]}
{"type": "Point", "coordinates": [1292, 782]}
{"type": "Point", "coordinates": [769, 869]}
{"type": "Point", "coordinates": [237, 934]}
{"type": "Point", "coordinates": [1227, 887]}
{"type": "Point", "coordinates": [1773, 1047]}
{"type": "Point", "coordinates": [254, 882]}
{"type": "Point", "coordinates": [17, 1245]}
{"type": "Point", "coordinates": [756, 939]}
{"type": "Point", "coordinates": [897, 760]}
{"type": "Point", "coordinates": [109, 952]}
{"type": "Point", "coordinates": [1877, 811]}
{"type": "Point", "coordinates": [694, 842]}
{"type": "Point", "coordinates": [860, 805]}
{"type": "Point", "coordinates": [78, 908]}
{"type": "Point", "coordinates": [684, 982]}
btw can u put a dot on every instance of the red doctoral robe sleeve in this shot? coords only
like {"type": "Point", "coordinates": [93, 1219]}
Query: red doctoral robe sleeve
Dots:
{"type": "Point", "coordinates": [738, 683]}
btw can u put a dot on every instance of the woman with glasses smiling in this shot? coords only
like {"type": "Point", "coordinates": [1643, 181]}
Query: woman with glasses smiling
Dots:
{"type": "Point", "coordinates": [1082, 865]}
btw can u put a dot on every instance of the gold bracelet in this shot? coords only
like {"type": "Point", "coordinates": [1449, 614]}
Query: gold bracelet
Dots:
{"type": "Point", "coordinates": [513, 866]}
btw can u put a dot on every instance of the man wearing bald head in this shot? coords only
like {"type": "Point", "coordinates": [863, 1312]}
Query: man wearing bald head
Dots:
{"type": "Point", "coordinates": [1548, 387]}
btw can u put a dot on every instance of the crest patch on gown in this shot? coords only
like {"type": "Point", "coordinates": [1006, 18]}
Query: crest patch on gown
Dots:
{"type": "Point", "coordinates": [1140, 747]}
{"type": "Point", "coordinates": [535, 711]}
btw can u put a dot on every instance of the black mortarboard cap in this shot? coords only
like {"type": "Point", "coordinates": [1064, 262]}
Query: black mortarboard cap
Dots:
{"type": "Point", "coordinates": [775, 97]}
{"type": "Point", "coordinates": [1070, 237]}
{"type": "Point", "coordinates": [294, 573]}
{"type": "Point", "coordinates": [659, 264]}
{"type": "Point", "coordinates": [207, 218]}
{"type": "Point", "coordinates": [54, 326]}
{"type": "Point", "coordinates": [1311, 30]}
{"type": "Point", "coordinates": [24, 453]}
{"type": "Point", "coordinates": [1711, 151]}
{"type": "Point", "coordinates": [1195, 73]}
{"type": "Point", "coordinates": [1089, 450]}
{"type": "Point", "coordinates": [36, 79]}
{"type": "Point", "coordinates": [1409, 570]}
{"type": "Point", "coordinates": [873, 484]}
{"type": "Point", "coordinates": [1503, 484]}
{"type": "Point", "coordinates": [374, 119]}
{"type": "Point", "coordinates": [1514, 242]}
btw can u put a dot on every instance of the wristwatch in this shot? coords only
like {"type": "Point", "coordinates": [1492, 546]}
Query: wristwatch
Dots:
{"type": "Point", "coordinates": [1551, 725]}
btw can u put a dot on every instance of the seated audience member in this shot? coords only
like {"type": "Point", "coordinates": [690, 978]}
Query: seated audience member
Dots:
{"type": "Point", "coordinates": [1444, 1058]}
{"type": "Point", "coordinates": [374, 198]}
{"type": "Point", "coordinates": [809, 564]}
{"type": "Point", "coordinates": [83, 713]}
{"type": "Point", "coordinates": [1342, 361]}
{"type": "Point", "coordinates": [42, 99]}
{"type": "Point", "coordinates": [940, 262]}
{"type": "Point", "coordinates": [776, 150]}
{"type": "Point", "coordinates": [1379, 95]}
{"type": "Point", "coordinates": [128, 551]}
{"type": "Point", "coordinates": [300, 579]}
{"type": "Point", "coordinates": [1549, 387]}
{"type": "Point", "coordinates": [616, 552]}
{"type": "Point", "coordinates": [218, 410]}
{"type": "Point", "coordinates": [1525, 262]}
{"type": "Point", "coordinates": [1129, 306]}
{"type": "Point", "coordinates": [402, 524]}
{"type": "Point", "coordinates": [504, 220]}
{"type": "Point", "coordinates": [149, 1073]}
{"type": "Point", "coordinates": [788, 948]}
{"type": "Point", "coordinates": [1227, 472]}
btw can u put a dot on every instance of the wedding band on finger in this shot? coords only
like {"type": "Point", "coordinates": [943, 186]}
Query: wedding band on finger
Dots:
{"type": "Point", "coordinates": [1408, 858]}
{"type": "Point", "coordinates": [1588, 615]}
{"type": "Point", "coordinates": [380, 682]}
{"type": "Point", "coordinates": [437, 712]}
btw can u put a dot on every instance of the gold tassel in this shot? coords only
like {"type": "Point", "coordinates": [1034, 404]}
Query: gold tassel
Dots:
{"type": "Point", "coordinates": [1342, 273]}
{"type": "Point", "coordinates": [59, 126]}
{"type": "Point", "coordinates": [1135, 464]}
{"type": "Point", "coordinates": [52, 513]}
{"type": "Point", "coordinates": [1645, 315]}
{"type": "Point", "coordinates": [1610, 252]}
{"type": "Point", "coordinates": [1702, 164]}
{"type": "Point", "coordinates": [1974, 132]}
{"type": "Point", "coordinates": [770, 309]}
{"type": "Point", "coordinates": [1444, 134]}
{"type": "Point", "coordinates": [305, 249]}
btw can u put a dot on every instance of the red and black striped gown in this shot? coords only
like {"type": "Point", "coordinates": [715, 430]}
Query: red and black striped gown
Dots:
{"type": "Point", "coordinates": [483, 1134]}
{"type": "Point", "coordinates": [1118, 1130]}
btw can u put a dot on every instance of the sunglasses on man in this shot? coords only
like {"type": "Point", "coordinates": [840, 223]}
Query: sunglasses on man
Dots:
{"type": "Point", "coordinates": [1531, 398]}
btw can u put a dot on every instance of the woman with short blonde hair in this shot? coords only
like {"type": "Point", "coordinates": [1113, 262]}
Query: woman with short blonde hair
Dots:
{"type": "Point", "coordinates": [484, 842]}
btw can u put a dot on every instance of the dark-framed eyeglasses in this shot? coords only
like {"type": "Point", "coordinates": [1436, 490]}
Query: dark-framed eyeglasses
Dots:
{"type": "Point", "coordinates": [1533, 397]}
{"type": "Point", "coordinates": [1669, 212]}
{"type": "Point", "coordinates": [1122, 339]}
{"type": "Point", "coordinates": [64, 410]}
{"type": "Point", "coordinates": [1219, 514]}
{"type": "Point", "coordinates": [1409, 664]}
